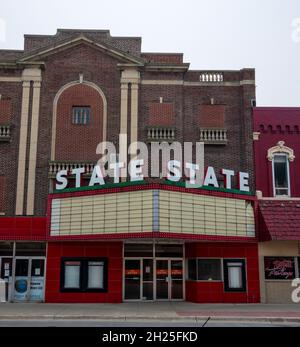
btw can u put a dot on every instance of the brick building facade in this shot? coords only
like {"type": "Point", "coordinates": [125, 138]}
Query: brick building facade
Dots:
{"type": "Point", "coordinates": [277, 148]}
{"type": "Point", "coordinates": [65, 93]}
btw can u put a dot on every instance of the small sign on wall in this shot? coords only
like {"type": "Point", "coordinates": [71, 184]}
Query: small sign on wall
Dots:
{"type": "Point", "coordinates": [279, 268]}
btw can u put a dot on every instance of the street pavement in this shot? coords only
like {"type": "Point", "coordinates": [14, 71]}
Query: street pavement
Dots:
{"type": "Point", "coordinates": [152, 312]}
{"type": "Point", "coordinates": [135, 324]}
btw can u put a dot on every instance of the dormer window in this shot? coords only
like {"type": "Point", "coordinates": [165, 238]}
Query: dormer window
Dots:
{"type": "Point", "coordinates": [281, 179]}
{"type": "Point", "coordinates": [81, 115]}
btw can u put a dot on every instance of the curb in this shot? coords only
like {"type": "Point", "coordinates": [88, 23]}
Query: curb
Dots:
{"type": "Point", "coordinates": [153, 318]}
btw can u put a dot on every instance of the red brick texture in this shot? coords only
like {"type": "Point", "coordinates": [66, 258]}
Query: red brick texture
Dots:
{"type": "Point", "coordinates": [111, 250]}
{"type": "Point", "coordinates": [212, 116]}
{"type": "Point", "coordinates": [2, 193]}
{"type": "Point", "coordinates": [173, 58]}
{"type": "Point", "coordinates": [161, 114]}
{"type": "Point", "coordinates": [81, 140]}
{"type": "Point", "coordinates": [213, 292]}
{"type": "Point", "coordinates": [5, 111]}
{"type": "Point", "coordinates": [276, 124]}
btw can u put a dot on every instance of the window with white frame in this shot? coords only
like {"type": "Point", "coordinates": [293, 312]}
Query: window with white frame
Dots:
{"type": "Point", "coordinates": [234, 275]}
{"type": "Point", "coordinates": [281, 179]}
{"type": "Point", "coordinates": [84, 275]}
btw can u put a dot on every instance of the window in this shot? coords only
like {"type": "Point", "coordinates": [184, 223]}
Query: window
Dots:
{"type": "Point", "coordinates": [281, 175]}
{"type": "Point", "coordinates": [234, 275]}
{"type": "Point", "coordinates": [81, 115]}
{"type": "Point", "coordinates": [279, 268]}
{"type": "Point", "coordinates": [84, 275]}
{"type": "Point", "coordinates": [72, 274]}
{"type": "Point", "coordinates": [205, 269]}
{"type": "Point", "coordinates": [95, 274]}
{"type": "Point", "coordinates": [209, 270]}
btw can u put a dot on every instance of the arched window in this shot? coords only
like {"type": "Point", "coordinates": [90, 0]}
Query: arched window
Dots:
{"type": "Point", "coordinates": [280, 156]}
{"type": "Point", "coordinates": [281, 175]}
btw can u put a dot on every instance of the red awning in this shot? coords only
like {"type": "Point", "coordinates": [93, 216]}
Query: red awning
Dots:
{"type": "Point", "coordinates": [279, 220]}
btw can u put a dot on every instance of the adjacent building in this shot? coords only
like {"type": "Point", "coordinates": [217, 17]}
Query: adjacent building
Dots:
{"type": "Point", "coordinates": [277, 151]}
{"type": "Point", "coordinates": [152, 240]}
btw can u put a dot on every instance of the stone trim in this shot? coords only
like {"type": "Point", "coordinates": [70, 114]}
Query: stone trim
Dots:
{"type": "Point", "coordinates": [22, 148]}
{"type": "Point", "coordinates": [57, 96]}
{"type": "Point", "coordinates": [280, 148]}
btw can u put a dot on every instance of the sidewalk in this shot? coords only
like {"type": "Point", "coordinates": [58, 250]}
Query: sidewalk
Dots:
{"type": "Point", "coordinates": [152, 311]}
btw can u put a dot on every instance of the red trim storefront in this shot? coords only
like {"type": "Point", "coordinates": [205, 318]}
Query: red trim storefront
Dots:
{"type": "Point", "coordinates": [110, 246]}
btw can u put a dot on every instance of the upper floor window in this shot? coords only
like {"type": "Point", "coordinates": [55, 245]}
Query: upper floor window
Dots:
{"type": "Point", "coordinates": [281, 175]}
{"type": "Point", "coordinates": [81, 115]}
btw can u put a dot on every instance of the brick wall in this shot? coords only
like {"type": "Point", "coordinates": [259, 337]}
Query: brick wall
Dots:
{"type": "Point", "coordinates": [73, 141]}
{"type": "Point", "coordinates": [180, 108]}
{"type": "Point", "coordinates": [212, 116]}
{"type": "Point", "coordinates": [9, 150]}
{"type": "Point", "coordinates": [2, 193]}
{"type": "Point", "coordinates": [161, 114]}
{"type": "Point", "coordinates": [5, 111]}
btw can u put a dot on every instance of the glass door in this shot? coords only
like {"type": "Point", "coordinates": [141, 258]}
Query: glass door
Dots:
{"type": "Point", "coordinates": [29, 279]}
{"type": "Point", "coordinates": [162, 279]}
{"type": "Point", "coordinates": [37, 280]}
{"type": "Point", "coordinates": [147, 279]}
{"type": "Point", "coordinates": [21, 282]}
{"type": "Point", "coordinates": [6, 275]}
{"type": "Point", "coordinates": [169, 279]}
{"type": "Point", "coordinates": [132, 279]}
{"type": "Point", "coordinates": [176, 279]}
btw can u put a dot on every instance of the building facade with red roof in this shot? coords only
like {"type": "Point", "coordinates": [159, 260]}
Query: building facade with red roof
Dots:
{"type": "Point", "coordinates": [277, 164]}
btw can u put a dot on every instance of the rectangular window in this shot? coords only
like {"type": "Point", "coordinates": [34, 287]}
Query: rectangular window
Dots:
{"type": "Point", "coordinates": [205, 269]}
{"type": "Point", "coordinates": [84, 275]}
{"type": "Point", "coordinates": [281, 175]}
{"type": "Point", "coordinates": [209, 270]}
{"type": "Point", "coordinates": [81, 115]}
{"type": "Point", "coordinates": [234, 275]}
{"type": "Point", "coordinates": [72, 274]}
{"type": "Point", "coordinates": [95, 274]}
{"type": "Point", "coordinates": [279, 268]}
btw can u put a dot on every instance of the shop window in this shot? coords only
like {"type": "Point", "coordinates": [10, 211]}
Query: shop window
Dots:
{"type": "Point", "coordinates": [205, 269]}
{"type": "Point", "coordinates": [138, 250]}
{"type": "Point", "coordinates": [234, 275]}
{"type": "Point", "coordinates": [84, 275]}
{"type": "Point", "coordinates": [209, 270]}
{"type": "Point", "coordinates": [6, 248]}
{"type": "Point", "coordinates": [281, 180]}
{"type": "Point", "coordinates": [72, 275]}
{"type": "Point", "coordinates": [168, 251]}
{"type": "Point", "coordinates": [81, 115]}
{"type": "Point", "coordinates": [279, 268]}
{"type": "Point", "coordinates": [31, 249]}
{"type": "Point", "coordinates": [95, 274]}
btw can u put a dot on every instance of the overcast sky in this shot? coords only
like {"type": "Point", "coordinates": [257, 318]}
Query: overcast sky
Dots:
{"type": "Point", "coordinates": [212, 34]}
